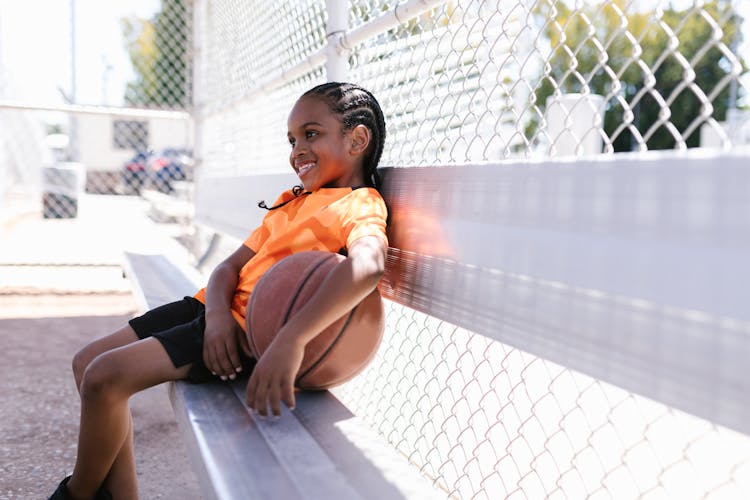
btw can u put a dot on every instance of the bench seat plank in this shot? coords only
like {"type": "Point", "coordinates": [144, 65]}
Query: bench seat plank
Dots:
{"type": "Point", "coordinates": [321, 438]}
{"type": "Point", "coordinates": [226, 449]}
{"type": "Point", "coordinates": [157, 280]}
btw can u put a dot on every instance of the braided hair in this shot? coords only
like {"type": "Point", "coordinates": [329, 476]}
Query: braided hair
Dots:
{"type": "Point", "coordinates": [354, 106]}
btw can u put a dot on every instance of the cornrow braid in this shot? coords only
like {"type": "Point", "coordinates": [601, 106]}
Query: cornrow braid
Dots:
{"type": "Point", "coordinates": [357, 106]}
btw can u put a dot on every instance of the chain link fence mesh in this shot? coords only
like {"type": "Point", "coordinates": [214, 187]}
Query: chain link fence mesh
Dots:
{"type": "Point", "coordinates": [484, 81]}
{"type": "Point", "coordinates": [96, 107]}
{"type": "Point", "coordinates": [485, 420]}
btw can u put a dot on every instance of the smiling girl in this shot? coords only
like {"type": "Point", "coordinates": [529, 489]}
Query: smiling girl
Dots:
{"type": "Point", "coordinates": [336, 132]}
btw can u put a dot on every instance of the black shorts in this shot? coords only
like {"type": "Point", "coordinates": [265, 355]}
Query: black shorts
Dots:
{"type": "Point", "coordinates": [180, 327]}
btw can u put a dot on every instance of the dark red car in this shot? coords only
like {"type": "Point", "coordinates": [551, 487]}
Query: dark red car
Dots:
{"type": "Point", "coordinates": [134, 174]}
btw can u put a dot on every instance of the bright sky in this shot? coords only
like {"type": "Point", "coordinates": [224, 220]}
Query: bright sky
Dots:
{"type": "Point", "coordinates": [35, 42]}
{"type": "Point", "coordinates": [35, 46]}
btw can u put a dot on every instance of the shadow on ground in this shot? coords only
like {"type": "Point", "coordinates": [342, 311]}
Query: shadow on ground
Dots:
{"type": "Point", "coordinates": [39, 407]}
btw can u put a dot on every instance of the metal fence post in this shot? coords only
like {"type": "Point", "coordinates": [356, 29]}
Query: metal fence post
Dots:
{"type": "Point", "coordinates": [336, 64]}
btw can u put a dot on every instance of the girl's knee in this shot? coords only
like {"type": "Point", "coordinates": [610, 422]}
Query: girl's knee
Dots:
{"type": "Point", "coordinates": [103, 378]}
{"type": "Point", "coordinates": [80, 362]}
{"type": "Point", "coordinates": [86, 356]}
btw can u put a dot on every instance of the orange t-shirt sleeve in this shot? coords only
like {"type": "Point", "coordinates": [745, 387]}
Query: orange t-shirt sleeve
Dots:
{"type": "Point", "coordinates": [366, 217]}
{"type": "Point", "coordinates": [257, 238]}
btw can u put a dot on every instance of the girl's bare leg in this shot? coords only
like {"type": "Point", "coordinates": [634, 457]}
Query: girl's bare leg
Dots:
{"type": "Point", "coordinates": [122, 476]}
{"type": "Point", "coordinates": [105, 438]}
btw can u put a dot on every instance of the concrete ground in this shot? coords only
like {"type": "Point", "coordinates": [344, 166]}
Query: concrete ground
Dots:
{"type": "Point", "coordinates": [61, 285]}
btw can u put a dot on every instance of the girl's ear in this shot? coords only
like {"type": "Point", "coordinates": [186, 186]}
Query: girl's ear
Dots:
{"type": "Point", "coordinates": [360, 137]}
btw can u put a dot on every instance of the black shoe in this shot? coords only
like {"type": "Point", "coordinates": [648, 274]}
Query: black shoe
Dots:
{"type": "Point", "coordinates": [103, 494]}
{"type": "Point", "coordinates": [61, 493]}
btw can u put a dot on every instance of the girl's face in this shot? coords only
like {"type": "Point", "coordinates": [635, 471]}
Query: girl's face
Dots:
{"type": "Point", "coordinates": [323, 155]}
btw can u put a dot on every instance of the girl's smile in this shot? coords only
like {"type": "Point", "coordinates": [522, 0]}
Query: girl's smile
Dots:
{"type": "Point", "coordinates": [304, 168]}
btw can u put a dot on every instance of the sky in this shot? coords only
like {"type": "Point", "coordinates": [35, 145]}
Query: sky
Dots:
{"type": "Point", "coordinates": [35, 43]}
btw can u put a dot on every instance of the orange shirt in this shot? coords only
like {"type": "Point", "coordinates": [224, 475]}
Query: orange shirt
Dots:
{"type": "Point", "coordinates": [329, 219]}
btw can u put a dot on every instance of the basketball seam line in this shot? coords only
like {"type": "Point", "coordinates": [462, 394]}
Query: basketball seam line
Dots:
{"type": "Point", "coordinates": [335, 341]}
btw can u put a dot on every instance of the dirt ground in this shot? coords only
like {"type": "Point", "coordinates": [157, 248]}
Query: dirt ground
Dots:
{"type": "Point", "coordinates": [61, 286]}
{"type": "Point", "coordinates": [39, 406]}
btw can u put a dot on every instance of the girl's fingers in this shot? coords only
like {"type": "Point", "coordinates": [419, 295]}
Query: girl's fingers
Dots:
{"type": "Point", "coordinates": [234, 356]}
{"type": "Point", "coordinates": [221, 356]}
{"type": "Point", "coordinates": [260, 401]}
{"type": "Point", "coordinates": [262, 393]}
{"type": "Point", "coordinates": [229, 361]}
{"type": "Point", "coordinates": [288, 394]}
{"type": "Point", "coordinates": [209, 357]}
{"type": "Point", "coordinates": [250, 390]}
{"type": "Point", "coordinates": [219, 361]}
{"type": "Point", "coordinates": [274, 399]}
{"type": "Point", "coordinates": [253, 394]}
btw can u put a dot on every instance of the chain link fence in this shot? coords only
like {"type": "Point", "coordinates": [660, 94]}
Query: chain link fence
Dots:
{"type": "Point", "coordinates": [486, 81]}
{"type": "Point", "coordinates": [99, 106]}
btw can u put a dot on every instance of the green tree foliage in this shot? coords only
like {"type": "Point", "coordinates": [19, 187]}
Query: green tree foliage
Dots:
{"type": "Point", "coordinates": [158, 51]}
{"type": "Point", "coordinates": [637, 61]}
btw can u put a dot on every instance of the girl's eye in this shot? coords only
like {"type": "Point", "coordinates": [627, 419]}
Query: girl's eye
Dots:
{"type": "Point", "coordinates": [291, 142]}
{"type": "Point", "coordinates": [311, 133]}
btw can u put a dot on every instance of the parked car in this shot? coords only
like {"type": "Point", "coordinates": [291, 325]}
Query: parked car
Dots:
{"type": "Point", "coordinates": [168, 165]}
{"type": "Point", "coordinates": [133, 173]}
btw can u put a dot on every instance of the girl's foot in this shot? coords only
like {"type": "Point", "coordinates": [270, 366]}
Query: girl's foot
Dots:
{"type": "Point", "coordinates": [61, 493]}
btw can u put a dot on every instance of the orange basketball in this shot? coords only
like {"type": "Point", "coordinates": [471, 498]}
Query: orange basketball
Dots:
{"type": "Point", "coordinates": [340, 351]}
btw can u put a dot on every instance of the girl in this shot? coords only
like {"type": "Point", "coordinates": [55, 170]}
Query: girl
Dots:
{"type": "Point", "coordinates": [336, 132]}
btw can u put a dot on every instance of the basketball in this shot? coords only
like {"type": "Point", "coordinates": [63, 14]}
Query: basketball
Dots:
{"type": "Point", "coordinates": [340, 351]}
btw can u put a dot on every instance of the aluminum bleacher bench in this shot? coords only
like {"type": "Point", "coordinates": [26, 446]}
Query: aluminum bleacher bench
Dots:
{"type": "Point", "coordinates": [632, 270]}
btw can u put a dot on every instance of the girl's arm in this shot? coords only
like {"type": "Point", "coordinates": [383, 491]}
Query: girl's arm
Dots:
{"type": "Point", "coordinates": [345, 286]}
{"type": "Point", "coordinates": [223, 334]}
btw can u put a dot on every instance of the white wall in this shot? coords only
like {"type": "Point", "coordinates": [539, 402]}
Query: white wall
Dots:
{"type": "Point", "coordinates": [96, 145]}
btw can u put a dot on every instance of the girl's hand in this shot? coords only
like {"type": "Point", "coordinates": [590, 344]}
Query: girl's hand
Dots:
{"type": "Point", "coordinates": [273, 377]}
{"type": "Point", "coordinates": [222, 337]}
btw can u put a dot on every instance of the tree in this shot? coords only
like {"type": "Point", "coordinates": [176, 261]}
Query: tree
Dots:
{"type": "Point", "coordinates": [158, 51]}
{"type": "Point", "coordinates": [631, 60]}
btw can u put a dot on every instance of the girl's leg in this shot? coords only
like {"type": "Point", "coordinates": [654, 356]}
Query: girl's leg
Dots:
{"type": "Point", "coordinates": [85, 356]}
{"type": "Point", "coordinates": [106, 386]}
{"type": "Point", "coordinates": [122, 476]}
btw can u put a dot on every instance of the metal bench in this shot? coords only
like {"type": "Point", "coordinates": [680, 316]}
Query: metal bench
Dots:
{"type": "Point", "coordinates": [631, 270]}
